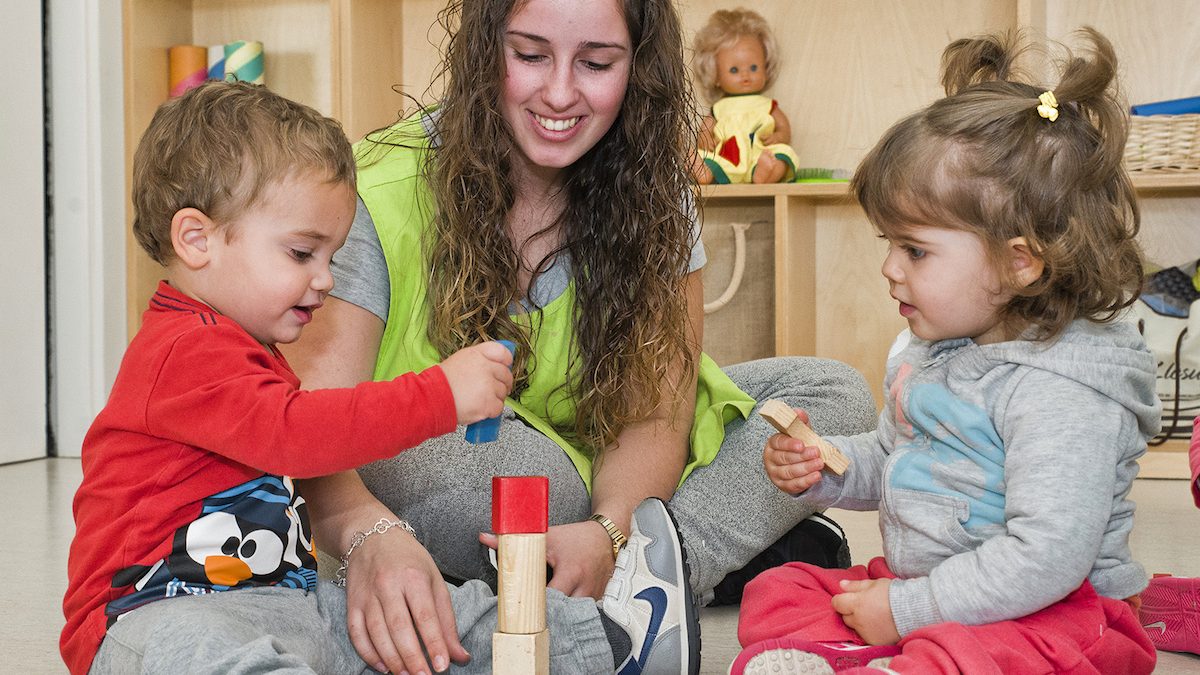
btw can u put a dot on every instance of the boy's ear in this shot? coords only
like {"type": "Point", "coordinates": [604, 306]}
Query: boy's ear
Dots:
{"type": "Point", "coordinates": [1027, 266]}
{"type": "Point", "coordinates": [190, 233]}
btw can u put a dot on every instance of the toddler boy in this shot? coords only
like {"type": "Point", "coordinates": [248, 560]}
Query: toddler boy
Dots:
{"type": "Point", "coordinates": [243, 196]}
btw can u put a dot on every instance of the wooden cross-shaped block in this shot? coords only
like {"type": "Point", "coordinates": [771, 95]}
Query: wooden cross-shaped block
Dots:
{"type": "Point", "coordinates": [782, 417]}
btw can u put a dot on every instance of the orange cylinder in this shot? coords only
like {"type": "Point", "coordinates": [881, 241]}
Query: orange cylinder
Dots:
{"type": "Point", "coordinates": [188, 65]}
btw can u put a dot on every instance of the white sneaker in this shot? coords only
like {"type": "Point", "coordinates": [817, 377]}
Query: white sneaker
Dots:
{"type": "Point", "coordinates": [649, 599]}
{"type": "Point", "coordinates": [791, 656]}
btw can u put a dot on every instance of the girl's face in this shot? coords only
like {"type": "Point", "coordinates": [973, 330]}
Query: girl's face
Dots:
{"type": "Point", "coordinates": [946, 284]}
{"type": "Point", "coordinates": [567, 65]}
{"type": "Point", "coordinates": [742, 67]}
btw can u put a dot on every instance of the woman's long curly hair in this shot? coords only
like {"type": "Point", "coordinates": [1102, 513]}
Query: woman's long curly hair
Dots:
{"type": "Point", "coordinates": [627, 226]}
{"type": "Point", "coordinates": [984, 160]}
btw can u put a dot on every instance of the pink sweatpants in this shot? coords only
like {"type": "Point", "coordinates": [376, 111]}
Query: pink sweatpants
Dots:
{"type": "Point", "coordinates": [1194, 460]}
{"type": "Point", "coordinates": [1083, 633]}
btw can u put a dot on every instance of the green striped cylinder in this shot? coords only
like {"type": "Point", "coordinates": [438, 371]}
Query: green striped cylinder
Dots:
{"type": "Point", "coordinates": [244, 61]}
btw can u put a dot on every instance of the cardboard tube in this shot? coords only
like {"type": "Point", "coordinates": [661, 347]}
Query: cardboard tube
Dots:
{"type": "Point", "coordinates": [188, 65]}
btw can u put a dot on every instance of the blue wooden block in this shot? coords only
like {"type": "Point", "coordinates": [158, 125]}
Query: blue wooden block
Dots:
{"type": "Point", "coordinates": [484, 431]}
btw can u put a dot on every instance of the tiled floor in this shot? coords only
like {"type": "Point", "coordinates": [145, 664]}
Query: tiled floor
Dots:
{"type": "Point", "coordinates": [35, 499]}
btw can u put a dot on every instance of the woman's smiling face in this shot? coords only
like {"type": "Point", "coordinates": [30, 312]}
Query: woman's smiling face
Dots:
{"type": "Point", "coordinates": [567, 65]}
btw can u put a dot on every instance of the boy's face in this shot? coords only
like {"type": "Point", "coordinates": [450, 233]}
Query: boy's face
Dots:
{"type": "Point", "coordinates": [273, 273]}
{"type": "Point", "coordinates": [945, 283]}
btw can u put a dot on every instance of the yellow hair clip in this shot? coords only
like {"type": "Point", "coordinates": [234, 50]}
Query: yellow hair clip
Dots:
{"type": "Point", "coordinates": [1049, 106]}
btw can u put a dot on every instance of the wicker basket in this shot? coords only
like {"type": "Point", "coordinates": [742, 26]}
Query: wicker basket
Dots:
{"type": "Point", "coordinates": [1163, 144]}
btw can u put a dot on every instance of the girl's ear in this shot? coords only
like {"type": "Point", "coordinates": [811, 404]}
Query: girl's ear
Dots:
{"type": "Point", "coordinates": [190, 233]}
{"type": "Point", "coordinates": [1027, 266]}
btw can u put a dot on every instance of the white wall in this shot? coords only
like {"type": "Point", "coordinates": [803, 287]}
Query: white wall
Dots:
{"type": "Point", "coordinates": [88, 268]}
{"type": "Point", "coordinates": [22, 235]}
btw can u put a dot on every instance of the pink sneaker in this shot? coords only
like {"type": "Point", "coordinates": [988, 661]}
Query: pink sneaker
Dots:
{"type": "Point", "coordinates": [1171, 613]}
{"type": "Point", "coordinates": [800, 657]}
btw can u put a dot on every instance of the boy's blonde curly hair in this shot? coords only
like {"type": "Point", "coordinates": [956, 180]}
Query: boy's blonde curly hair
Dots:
{"type": "Point", "coordinates": [217, 147]}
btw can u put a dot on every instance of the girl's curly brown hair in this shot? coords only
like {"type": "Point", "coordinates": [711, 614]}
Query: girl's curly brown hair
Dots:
{"type": "Point", "coordinates": [627, 226]}
{"type": "Point", "coordinates": [985, 161]}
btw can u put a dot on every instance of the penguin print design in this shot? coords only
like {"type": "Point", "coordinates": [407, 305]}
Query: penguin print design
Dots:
{"type": "Point", "coordinates": [256, 534]}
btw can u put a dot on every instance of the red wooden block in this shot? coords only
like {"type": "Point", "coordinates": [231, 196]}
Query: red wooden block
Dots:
{"type": "Point", "coordinates": [520, 504]}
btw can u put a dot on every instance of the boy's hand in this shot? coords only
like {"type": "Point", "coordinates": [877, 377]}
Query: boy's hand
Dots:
{"type": "Point", "coordinates": [867, 609]}
{"type": "Point", "coordinates": [479, 378]}
{"type": "Point", "coordinates": [791, 465]}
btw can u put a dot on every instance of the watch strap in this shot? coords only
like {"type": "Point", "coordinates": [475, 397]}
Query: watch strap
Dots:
{"type": "Point", "coordinates": [618, 537]}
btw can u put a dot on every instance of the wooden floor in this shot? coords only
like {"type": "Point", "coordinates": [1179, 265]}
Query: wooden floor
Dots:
{"type": "Point", "coordinates": [35, 498]}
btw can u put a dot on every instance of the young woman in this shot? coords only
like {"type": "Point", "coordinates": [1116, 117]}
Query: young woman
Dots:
{"type": "Point", "coordinates": [547, 201]}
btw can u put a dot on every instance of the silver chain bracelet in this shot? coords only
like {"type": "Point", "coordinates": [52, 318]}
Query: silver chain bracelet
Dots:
{"type": "Point", "coordinates": [384, 524]}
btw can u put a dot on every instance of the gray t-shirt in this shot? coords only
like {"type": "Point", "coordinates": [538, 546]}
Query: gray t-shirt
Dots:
{"type": "Point", "coordinates": [361, 276]}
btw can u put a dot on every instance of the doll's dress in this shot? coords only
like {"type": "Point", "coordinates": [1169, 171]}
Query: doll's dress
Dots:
{"type": "Point", "coordinates": [741, 121]}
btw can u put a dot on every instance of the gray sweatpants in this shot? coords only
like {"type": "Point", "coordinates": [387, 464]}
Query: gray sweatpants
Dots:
{"type": "Point", "coordinates": [727, 512]}
{"type": "Point", "coordinates": [280, 630]}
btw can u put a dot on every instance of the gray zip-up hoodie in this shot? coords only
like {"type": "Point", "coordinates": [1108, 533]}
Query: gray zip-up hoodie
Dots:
{"type": "Point", "coordinates": [1001, 472]}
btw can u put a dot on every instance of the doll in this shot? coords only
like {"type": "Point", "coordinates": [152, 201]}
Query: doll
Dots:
{"type": "Point", "coordinates": [745, 138]}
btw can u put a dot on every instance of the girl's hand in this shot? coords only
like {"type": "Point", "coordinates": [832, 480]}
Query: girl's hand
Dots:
{"type": "Point", "coordinates": [480, 378]}
{"type": "Point", "coordinates": [790, 464]}
{"type": "Point", "coordinates": [867, 609]}
{"type": "Point", "coordinates": [579, 553]}
{"type": "Point", "coordinates": [396, 602]}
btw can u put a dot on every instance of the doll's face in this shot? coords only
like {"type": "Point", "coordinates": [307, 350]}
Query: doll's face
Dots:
{"type": "Point", "coordinates": [742, 67]}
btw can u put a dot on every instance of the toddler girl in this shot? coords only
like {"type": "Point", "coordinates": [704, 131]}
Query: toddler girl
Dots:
{"type": "Point", "coordinates": [1016, 407]}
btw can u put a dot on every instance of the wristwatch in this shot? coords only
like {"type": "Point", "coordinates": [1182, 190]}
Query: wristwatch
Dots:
{"type": "Point", "coordinates": [618, 537]}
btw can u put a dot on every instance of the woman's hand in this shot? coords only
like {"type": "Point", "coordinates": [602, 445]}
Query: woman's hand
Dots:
{"type": "Point", "coordinates": [867, 609]}
{"type": "Point", "coordinates": [790, 464]}
{"type": "Point", "coordinates": [396, 602]}
{"type": "Point", "coordinates": [579, 553]}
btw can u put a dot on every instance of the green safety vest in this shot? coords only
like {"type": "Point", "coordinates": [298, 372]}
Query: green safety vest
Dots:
{"type": "Point", "coordinates": [391, 185]}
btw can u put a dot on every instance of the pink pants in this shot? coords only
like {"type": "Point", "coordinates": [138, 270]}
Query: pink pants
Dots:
{"type": "Point", "coordinates": [1194, 460]}
{"type": "Point", "coordinates": [1083, 633]}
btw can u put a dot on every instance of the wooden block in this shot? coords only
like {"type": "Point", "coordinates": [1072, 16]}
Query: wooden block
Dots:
{"type": "Point", "coordinates": [520, 507]}
{"type": "Point", "coordinates": [521, 593]}
{"type": "Point", "coordinates": [521, 654]}
{"type": "Point", "coordinates": [486, 431]}
{"type": "Point", "coordinates": [520, 504]}
{"type": "Point", "coordinates": [782, 417]}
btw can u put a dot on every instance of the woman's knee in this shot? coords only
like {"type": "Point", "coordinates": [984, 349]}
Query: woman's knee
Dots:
{"type": "Point", "coordinates": [835, 395]}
